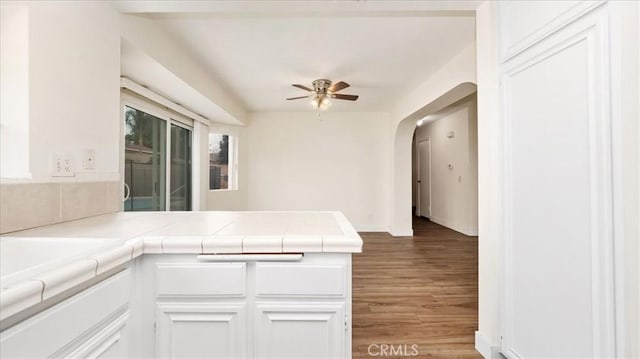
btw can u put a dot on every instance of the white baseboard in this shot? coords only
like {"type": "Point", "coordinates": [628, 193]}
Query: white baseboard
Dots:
{"type": "Point", "coordinates": [484, 347]}
{"type": "Point", "coordinates": [406, 233]}
{"type": "Point", "coordinates": [445, 223]}
{"type": "Point", "coordinates": [371, 228]}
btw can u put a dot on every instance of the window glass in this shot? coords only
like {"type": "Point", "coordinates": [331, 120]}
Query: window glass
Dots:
{"type": "Point", "coordinates": [144, 161]}
{"type": "Point", "coordinates": [220, 161]}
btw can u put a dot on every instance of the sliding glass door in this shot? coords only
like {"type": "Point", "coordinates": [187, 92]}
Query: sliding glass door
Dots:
{"type": "Point", "coordinates": [145, 154]}
{"type": "Point", "coordinates": [180, 195]}
{"type": "Point", "coordinates": [157, 163]}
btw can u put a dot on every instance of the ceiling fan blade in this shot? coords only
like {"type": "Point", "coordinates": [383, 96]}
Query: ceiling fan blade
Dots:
{"type": "Point", "coordinates": [338, 86]}
{"type": "Point", "coordinates": [297, 98]}
{"type": "Point", "coordinates": [302, 87]}
{"type": "Point", "coordinates": [338, 96]}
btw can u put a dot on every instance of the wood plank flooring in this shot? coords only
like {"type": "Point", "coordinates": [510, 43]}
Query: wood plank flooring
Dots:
{"type": "Point", "coordinates": [419, 290]}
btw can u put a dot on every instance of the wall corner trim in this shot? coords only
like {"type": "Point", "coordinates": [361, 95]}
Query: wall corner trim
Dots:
{"type": "Point", "coordinates": [402, 233]}
{"type": "Point", "coordinates": [371, 228]}
{"type": "Point", "coordinates": [484, 347]}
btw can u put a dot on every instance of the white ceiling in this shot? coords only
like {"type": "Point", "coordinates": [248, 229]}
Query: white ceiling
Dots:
{"type": "Point", "coordinates": [257, 58]}
{"type": "Point", "coordinates": [255, 50]}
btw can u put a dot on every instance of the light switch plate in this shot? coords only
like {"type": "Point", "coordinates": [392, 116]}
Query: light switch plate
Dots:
{"type": "Point", "coordinates": [89, 159]}
{"type": "Point", "coordinates": [63, 166]}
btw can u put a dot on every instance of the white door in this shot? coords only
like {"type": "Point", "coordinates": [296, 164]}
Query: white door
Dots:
{"type": "Point", "coordinates": [300, 330]}
{"type": "Point", "coordinates": [558, 278]}
{"type": "Point", "coordinates": [201, 330]}
{"type": "Point", "coordinates": [424, 178]}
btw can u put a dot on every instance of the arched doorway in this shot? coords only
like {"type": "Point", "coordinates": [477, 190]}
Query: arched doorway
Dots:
{"type": "Point", "coordinates": [401, 216]}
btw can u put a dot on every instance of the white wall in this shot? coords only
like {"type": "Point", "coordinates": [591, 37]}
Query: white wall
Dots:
{"type": "Point", "coordinates": [489, 179]}
{"type": "Point", "coordinates": [14, 82]}
{"type": "Point", "coordinates": [452, 82]}
{"type": "Point", "coordinates": [340, 162]}
{"type": "Point", "coordinates": [73, 88]}
{"type": "Point", "coordinates": [625, 48]}
{"type": "Point", "coordinates": [72, 56]}
{"type": "Point", "coordinates": [62, 83]}
{"type": "Point", "coordinates": [454, 192]}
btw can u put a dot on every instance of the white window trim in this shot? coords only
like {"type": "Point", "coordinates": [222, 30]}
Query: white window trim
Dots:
{"type": "Point", "coordinates": [233, 159]}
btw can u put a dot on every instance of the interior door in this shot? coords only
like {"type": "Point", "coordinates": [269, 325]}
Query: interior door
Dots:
{"type": "Point", "coordinates": [424, 176]}
{"type": "Point", "coordinates": [558, 276]}
{"type": "Point", "coordinates": [145, 154]}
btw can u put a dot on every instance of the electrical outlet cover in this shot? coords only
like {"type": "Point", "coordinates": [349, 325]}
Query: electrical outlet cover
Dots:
{"type": "Point", "coordinates": [63, 166]}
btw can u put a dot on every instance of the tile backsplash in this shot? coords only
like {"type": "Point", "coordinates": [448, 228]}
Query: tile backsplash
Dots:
{"type": "Point", "coordinates": [28, 205]}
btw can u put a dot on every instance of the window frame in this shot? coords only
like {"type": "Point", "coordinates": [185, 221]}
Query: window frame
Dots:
{"type": "Point", "coordinates": [233, 159]}
{"type": "Point", "coordinates": [141, 103]}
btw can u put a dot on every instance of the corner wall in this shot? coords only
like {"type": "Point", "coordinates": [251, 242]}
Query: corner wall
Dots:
{"type": "Point", "coordinates": [489, 180]}
{"type": "Point", "coordinates": [70, 94]}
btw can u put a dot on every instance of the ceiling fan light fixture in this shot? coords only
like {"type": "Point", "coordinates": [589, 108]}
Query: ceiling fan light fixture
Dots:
{"type": "Point", "coordinates": [325, 103]}
{"type": "Point", "coordinates": [320, 102]}
{"type": "Point", "coordinates": [323, 92]}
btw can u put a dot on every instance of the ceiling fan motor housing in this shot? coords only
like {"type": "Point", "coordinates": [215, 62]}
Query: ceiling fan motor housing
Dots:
{"type": "Point", "coordinates": [321, 86]}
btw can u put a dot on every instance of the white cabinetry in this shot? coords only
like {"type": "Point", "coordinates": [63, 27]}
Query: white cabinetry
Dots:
{"type": "Point", "coordinates": [558, 287]}
{"type": "Point", "coordinates": [212, 330]}
{"type": "Point", "coordinates": [249, 309]}
{"type": "Point", "coordinates": [87, 325]}
{"type": "Point", "coordinates": [300, 330]}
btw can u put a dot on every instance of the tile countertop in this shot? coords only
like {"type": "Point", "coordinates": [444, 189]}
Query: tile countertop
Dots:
{"type": "Point", "coordinates": [177, 232]}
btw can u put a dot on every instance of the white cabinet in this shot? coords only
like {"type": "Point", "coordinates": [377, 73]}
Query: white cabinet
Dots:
{"type": "Point", "coordinates": [90, 324]}
{"type": "Point", "coordinates": [198, 330]}
{"type": "Point", "coordinates": [300, 330]}
{"type": "Point", "coordinates": [106, 343]}
{"type": "Point", "coordinates": [248, 309]}
{"type": "Point", "coordinates": [557, 294]}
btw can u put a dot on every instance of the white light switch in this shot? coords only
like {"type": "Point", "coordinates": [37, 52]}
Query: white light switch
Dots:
{"type": "Point", "coordinates": [63, 166]}
{"type": "Point", "coordinates": [89, 159]}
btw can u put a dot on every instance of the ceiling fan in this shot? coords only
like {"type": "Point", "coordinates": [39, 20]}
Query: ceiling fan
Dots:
{"type": "Point", "coordinates": [322, 93]}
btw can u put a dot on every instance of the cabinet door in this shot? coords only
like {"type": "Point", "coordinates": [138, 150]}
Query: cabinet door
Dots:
{"type": "Point", "coordinates": [106, 343]}
{"type": "Point", "coordinates": [198, 330]}
{"type": "Point", "coordinates": [300, 330]}
{"type": "Point", "coordinates": [558, 246]}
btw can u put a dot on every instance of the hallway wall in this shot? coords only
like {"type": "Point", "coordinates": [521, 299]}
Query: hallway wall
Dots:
{"type": "Point", "coordinates": [454, 191]}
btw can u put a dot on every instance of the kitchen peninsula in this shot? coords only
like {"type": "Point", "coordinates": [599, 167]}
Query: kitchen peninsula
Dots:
{"type": "Point", "coordinates": [180, 284]}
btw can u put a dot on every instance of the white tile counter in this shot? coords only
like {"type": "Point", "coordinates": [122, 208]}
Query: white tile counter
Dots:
{"type": "Point", "coordinates": [137, 233]}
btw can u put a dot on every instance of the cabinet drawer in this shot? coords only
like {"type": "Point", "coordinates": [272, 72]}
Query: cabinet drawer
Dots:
{"type": "Point", "coordinates": [200, 279]}
{"type": "Point", "coordinates": [304, 280]}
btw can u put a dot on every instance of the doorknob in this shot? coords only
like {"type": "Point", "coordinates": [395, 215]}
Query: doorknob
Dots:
{"type": "Point", "coordinates": [419, 181]}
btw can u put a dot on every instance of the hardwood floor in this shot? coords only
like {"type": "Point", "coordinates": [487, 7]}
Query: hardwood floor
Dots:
{"type": "Point", "coordinates": [419, 290]}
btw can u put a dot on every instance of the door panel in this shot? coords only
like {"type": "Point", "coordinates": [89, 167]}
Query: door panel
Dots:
{"type": "Point", "coordinates": [558, 275]}
{"type": "Point", "coordinates": [201, 330]}
{"type": "Point", "coordinates": [299, 330]}
{"type": "Point", "coordinates": [145, 161]}
{"type": "Point", "coordinates": [424, 158]}
{"type": "Point", "coordinates": [180, 194]}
